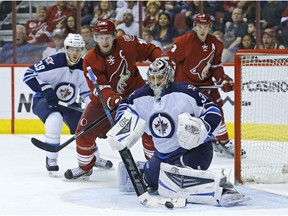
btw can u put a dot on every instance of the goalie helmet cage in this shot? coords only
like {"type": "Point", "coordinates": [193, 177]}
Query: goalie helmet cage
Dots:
{"type": "Point", "coordinates": [261, 116]}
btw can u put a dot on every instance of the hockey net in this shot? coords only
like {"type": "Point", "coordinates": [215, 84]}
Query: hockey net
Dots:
{"type": "Point", "coordinates": [261, 116]}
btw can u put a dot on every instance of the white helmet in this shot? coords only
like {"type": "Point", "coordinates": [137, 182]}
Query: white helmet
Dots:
{"type": "Point", "coordinates": [74, 40]}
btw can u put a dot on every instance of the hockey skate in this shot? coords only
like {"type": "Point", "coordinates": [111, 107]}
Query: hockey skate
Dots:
{"type": "Point", "coordinates": [76, 173]}
{"type": "Point", "coordinates": [226, 150]}
{"type": "Point", "coordinates": [52, 166]}
{"type": "Point", "coordinates": [103, 163]}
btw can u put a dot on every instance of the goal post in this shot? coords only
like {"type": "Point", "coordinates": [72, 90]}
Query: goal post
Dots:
{"type": "Point", "coordinates": [261, 116]}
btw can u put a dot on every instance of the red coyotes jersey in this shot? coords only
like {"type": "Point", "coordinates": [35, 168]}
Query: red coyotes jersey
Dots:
{"type": "Point", "coordinates": [56, 16]}
{"type": "Point", "coordinates": [41, 31]}
{"type": "Point", "coordinates": [117, 72]}
{"type": "Point", "coordinates": [196, 61]}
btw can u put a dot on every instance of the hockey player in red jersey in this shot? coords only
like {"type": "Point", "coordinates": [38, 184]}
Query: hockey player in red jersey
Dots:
{"type": "Point", "coordinates": [197, 56]}
{"type": "Point", "coordinates": [113, 61]}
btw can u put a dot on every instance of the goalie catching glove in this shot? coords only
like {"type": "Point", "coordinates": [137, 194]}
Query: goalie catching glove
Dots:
{"type": "Point", "coordinates": [126, 132]}
{"type": "Point", "coordinates": [191, 131]}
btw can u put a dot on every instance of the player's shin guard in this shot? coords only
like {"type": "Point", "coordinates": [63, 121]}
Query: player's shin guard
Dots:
{"type": "Point", "coordinates": [53, 128]}
{"type": "Point", "coordinates": [198, 186]}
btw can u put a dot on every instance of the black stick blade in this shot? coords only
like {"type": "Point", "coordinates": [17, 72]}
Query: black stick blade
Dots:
{"type": "Point", "coordinates": [45, 146]}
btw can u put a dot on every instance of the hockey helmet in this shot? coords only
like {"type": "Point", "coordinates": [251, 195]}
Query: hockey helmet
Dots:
{"type": "Point", "coordinates": [74, 40]}
{"type": "Point", "coordinates": [202, 18]}
{"type": "Point", "coordinates": [104, 26]}
{"type": "Point", "coordinates": [160, 76]}
{"type": "Point", "coordinates": [71, 43]}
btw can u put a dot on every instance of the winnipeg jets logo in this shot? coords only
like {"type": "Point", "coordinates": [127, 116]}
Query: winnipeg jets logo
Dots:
{"type": "Point", "coordinates": [111, 60]}
{"type": "Point", "coordinates": [65, 91]}
{"type": "Point", "coordinates": [161, 125]}
{"type": "Point", "coordinates": [202, 68]}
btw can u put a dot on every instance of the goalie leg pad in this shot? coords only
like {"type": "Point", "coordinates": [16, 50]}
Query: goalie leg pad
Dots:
{"type": "Point", "coordinates": [126, 132]}
{"type": "Point", "coordinates": [198, 186]}
{"type": "Point", "coordinates": [124, 182]}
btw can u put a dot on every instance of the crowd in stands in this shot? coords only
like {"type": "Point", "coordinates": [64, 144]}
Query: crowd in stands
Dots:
{"type": "Point", "coordinates": [233, 22]}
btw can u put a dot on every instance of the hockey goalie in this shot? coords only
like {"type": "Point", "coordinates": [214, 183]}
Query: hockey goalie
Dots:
{"type": "Point", "coordinates": [182, 122]}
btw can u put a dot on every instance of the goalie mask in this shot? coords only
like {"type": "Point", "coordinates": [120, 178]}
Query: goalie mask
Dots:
{"type": "Point", "coordinates": [160, 76]}
{"type": "Point", "coordinates": [74, 48]}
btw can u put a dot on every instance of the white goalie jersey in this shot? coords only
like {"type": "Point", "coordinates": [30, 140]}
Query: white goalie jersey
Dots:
{"type": "Point", "coordinates": [161, 115]}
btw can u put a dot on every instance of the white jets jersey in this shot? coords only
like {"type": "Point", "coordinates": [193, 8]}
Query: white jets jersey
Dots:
{"type": "Point", "coordinates": [161, 116]}
{"type": "Point", "coordinates": [68, 83]}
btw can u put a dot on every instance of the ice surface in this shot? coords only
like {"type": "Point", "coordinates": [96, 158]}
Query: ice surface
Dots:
{"type": "Point", "coordinates": [26, 188]}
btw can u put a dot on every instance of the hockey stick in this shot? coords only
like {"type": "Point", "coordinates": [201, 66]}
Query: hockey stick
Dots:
{"type": "Point", "coordinates": [130, 165]}
{"type": "Point", "coordinates": [61, 103]}
{"type": "Point", "coordinates": [57, 148]}
{"type": "Point", "coordinates": [210, 87]}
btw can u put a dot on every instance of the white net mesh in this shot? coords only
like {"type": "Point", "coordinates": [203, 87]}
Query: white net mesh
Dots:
{"type": "Point", "coordinates": [264, 118]}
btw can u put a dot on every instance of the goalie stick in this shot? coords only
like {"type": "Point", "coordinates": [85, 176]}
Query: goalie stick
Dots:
{"type": "Point", "coordinates": [57, 148]}
{"type": "Point", "coordinates": [145, 198]}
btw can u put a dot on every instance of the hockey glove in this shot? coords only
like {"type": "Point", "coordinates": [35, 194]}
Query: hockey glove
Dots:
{"type": "Point", "coordinates": [113, 101]}
{"type": "Point", "coordinates": [191, 131]}
{"type": "Point", "coordinates": [49, 94]}
{"type": "Point", "coordinates": [227, 82]}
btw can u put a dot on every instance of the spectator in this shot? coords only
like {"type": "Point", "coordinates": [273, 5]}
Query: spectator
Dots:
{"type": "Point", "coordinates": [147, 36]}
{"type": "Point", "coordinates": [129, 25]}
{"type": "Point", "coordinates": [56, 45]}
{"type": "Point", "coordinates": [271, 14]}
{"type": "Point", "coordinates": [70, 25]}
{"type": "Point", "coordinates": [269, 41]}
{"type": "Point", "coordinates": [226, 54]}
{"type": "Point", "coordinates": [58, 13]}
{"type": "Point", "coordinates": [133, 5]}
{"type": "Point", "coordinates": [25, 52]}
{"type": "Point", "coordinates": [38, 30]}
{"type": "Point", "coordinates": [252, 28]}
{"type": "Point", "coordinates": [283, 28]}
{"type": "Point", "coordinates": [87, 34]}
{"type": "Point", "coordinates": [234, 30]}
{"type": "Point", "coordinates": [151, 14]}
{"type": "Point", "coordinates": [249, 10]}
{"type": "Point", "coordinates": [247, 42]}
{"type": "Point", "coordinates": [164, 31]}
{"type": "Point", "coordinates": [104, 10]}
{"type": "Point", "coordinates": [87, 9]}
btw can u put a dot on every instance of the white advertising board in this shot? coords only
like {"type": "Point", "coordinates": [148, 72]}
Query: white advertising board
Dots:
{"type": "Point", "coordinates": [5, 93]}
{"type": "Point", "coordinates": [23, 96]}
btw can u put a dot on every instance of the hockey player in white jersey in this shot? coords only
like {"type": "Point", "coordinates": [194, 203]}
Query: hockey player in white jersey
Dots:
{"type": "Point", "coordinates": [55, 79]}
{"type": "Point", "coordinates": [181, 121]}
